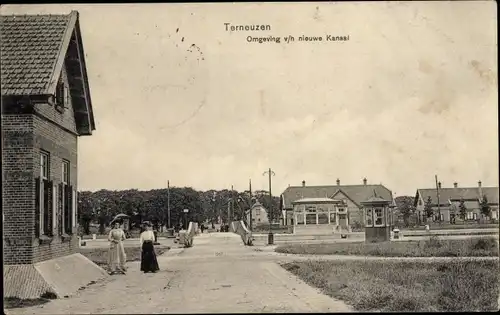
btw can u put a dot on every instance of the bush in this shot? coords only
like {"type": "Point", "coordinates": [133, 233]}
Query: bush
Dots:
{"type": "Point", "coordinates": [357, 226]}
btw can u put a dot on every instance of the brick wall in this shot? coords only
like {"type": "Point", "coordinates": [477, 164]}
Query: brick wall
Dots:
{"type": "Point", "coordinates": [61, 144]}
{"type": "Point", "coordinates": [18, 190]}
{"type": "Point", "coordinates": [24, 137]}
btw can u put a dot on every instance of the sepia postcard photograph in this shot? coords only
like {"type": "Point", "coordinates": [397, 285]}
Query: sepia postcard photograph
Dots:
{"type": "Point", "coordinates": [250, 157]}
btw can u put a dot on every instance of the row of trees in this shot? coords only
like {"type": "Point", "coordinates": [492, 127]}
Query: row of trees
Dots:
{"type": "Point", "coordinates": [406, 207]}
{"type": "Point", "coordinates": [152, 205]}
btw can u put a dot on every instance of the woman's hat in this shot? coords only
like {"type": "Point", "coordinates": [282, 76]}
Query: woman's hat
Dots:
{"type": "Point", "coordinates": [146, 223]}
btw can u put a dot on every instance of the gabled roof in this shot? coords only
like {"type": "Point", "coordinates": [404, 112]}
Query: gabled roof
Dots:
{"type": "Point", "coordinates": [357, 193]}
{"type": "Point", "coordinates": [453, 194]}
{"type": "Point", "coordinates": [33, 52]}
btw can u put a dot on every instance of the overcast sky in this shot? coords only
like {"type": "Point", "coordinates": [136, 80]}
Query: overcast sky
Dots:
{"type": "Point", "coordinates": [412, 94]}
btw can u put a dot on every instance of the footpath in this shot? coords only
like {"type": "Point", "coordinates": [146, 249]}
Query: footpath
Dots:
{"type": "Point", "coordinates": [217, 275]}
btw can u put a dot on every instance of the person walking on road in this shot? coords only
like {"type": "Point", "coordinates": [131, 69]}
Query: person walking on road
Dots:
{"type": "Point", "coordinates": [116, 256]}
{"type": "Point", "coordinates": [149, 263]}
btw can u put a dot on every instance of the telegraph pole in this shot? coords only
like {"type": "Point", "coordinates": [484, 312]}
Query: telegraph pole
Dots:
{"type": "Point", "coordinates": [437, 193]}
{"type": "Point", "coordinates": [168, 204]}
{"type": "Point", "coordinates": [251, 210]}
{"type": "Point", "coordinates": [270, 237]}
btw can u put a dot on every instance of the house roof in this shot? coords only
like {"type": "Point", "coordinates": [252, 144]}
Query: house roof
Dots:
{"type": "Point", "coordinates": [465, 193]}
{"type": "Point", "coordinates": [357, 193]}
{"type": "Point", "coordinates": [33, 53]}
{"type": "Point", "coordinates": [30, 49]}
{"type": "Point", "coordinates": [375, 199]}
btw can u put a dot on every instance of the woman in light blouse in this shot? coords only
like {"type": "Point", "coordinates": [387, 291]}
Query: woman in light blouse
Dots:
{"type": "Point", "coordinates": [148, 256]}
{"type": "Point", "coordinates": [116, 256]}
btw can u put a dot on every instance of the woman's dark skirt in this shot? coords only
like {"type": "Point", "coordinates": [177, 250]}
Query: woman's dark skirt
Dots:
{"type": "Point", "coordinates": [148, 258]}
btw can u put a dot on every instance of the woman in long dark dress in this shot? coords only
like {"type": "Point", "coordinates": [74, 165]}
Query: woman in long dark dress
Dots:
{"type": "Point", "coordinates": [149, 263]}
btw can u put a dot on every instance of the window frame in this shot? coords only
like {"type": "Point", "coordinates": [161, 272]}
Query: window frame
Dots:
{"type": "Point", "coordinates": [44, 170]}
{"type": "Point", "coordinates": [65, 177]}
{"type": "Point", "coordinates": [44, 177]}
{"type": "Point", "coordinates": [382, 217]}
{"type": "Point", "coordinates": [369, 217]}
{"type": "Point", "coordinates": [61, 95]}
{"type": "Point", "coordinates": [311, 209]}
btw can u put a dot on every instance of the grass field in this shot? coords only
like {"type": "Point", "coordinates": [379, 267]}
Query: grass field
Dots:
{"type": "Point", "coordinates": [100, 255]}
{"type": "Point", "coordinates": [432, 247]}
{"type": "Point", "coordinates": [395, 286]}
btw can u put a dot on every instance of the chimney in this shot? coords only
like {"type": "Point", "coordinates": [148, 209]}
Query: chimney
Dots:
{"type": "Point", "coordinates": [303, 183]}
{"type": "Point", "coordinates": [455, 184]}
{"type": "Point", "coordinates": [480, 191]}
{"type": "Point", "coordinates": [338, 182]}
{"type": "Point", "coordinates": [364, 181]}
{"type": "Point", "coordinates": [479, 184]}
{"type": "Point", "coordinates": [439, 185]}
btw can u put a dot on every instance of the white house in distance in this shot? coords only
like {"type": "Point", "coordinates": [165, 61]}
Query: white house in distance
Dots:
{"type": "Point", "coordinates": [259, 214]}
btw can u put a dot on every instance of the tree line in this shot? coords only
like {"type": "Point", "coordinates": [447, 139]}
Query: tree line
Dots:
{"type": "Point", "coordinates": [152, 205]}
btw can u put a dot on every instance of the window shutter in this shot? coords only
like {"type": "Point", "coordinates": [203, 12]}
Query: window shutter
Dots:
{"type": "Point", "coordinates": [66, 96]}
{"type": "Point", "coordinates": [75, 217]}
{"type": "Point", "coordinates": [67, 207]}
{"type": "Point", "coordinates": [46, 206]}
{"type": "Point", "coordinates": [54, 209]}
{"type": "Point", "coordinates": [60, 209]}
{"type": "Point", "coordinates": [70, 208]}
{"type": "Point", "coordinates": [37, 207]}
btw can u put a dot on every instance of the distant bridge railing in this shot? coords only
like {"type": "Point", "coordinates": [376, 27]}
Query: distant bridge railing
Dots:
{"type": "Point", "coordinates": [240, 228]}
{"type": "Point", "coordinates": [187, 239]}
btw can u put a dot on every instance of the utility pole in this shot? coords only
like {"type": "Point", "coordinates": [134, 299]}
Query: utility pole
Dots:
{"type": "Point", "coordinates": [251, 210]}
{"type": "Point", "coordinates": [168, 204]}
{"type": "Point", "coordinates": [231, 202]}
{"type": "Point", "coordinates": [270, 237]}
{"type": "Point", "coordinates": [437, 193]}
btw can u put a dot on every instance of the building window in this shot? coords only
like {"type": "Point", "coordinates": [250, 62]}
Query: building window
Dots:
{"type": "Point", "coordinates": [311, 218]}
{"type": "Point", "coordinates": [44, 165]}
{"type": "Point", "coordinates": [65, 172]}
{"type": "Point", "coordinates": [420, 202]}
{"type": "Point", "coordinates": [369, 217]}
{"type": "Point", "coordinates": [470, 216]}
{"type": "Point", "coordinates": [44, 195]}
{"type": "Point", "coordinates": [66, 201]}
{"type": "Point", "coordinates": [311, 209]}
{"type": "Point", "coordinates": [61, 95]}
{"type": "Point", "coordinates": [379, 217]}
{"type": "Point", "coordinates": [322, 218]}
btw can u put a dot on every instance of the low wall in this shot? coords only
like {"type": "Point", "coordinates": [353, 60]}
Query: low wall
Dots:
{"type": "Point", "coordinates": [240, 228]}
{"type": "Point", "coordinates": [188, 237]}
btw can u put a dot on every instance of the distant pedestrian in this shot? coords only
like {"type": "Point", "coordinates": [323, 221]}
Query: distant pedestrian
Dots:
{"type": "Point", "coordinates": [202, 227]}
{"type": "Point", "coordinates": [116, 257]}
{"type": "Point", "coordinates": [149, 263]}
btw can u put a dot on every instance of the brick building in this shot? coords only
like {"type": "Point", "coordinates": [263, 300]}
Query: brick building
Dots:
{"type": "Point", "coordinates": [46, 106]}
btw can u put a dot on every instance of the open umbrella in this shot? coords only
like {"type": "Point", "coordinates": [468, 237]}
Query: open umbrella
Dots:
{"type": "Point", "coordinates": [118, 217]}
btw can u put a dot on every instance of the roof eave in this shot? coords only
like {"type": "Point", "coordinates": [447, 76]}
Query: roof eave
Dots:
{"type": "Point", "coordinates": [54, 79]}
{"type": "Point", "coordinates": [85, 76]}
